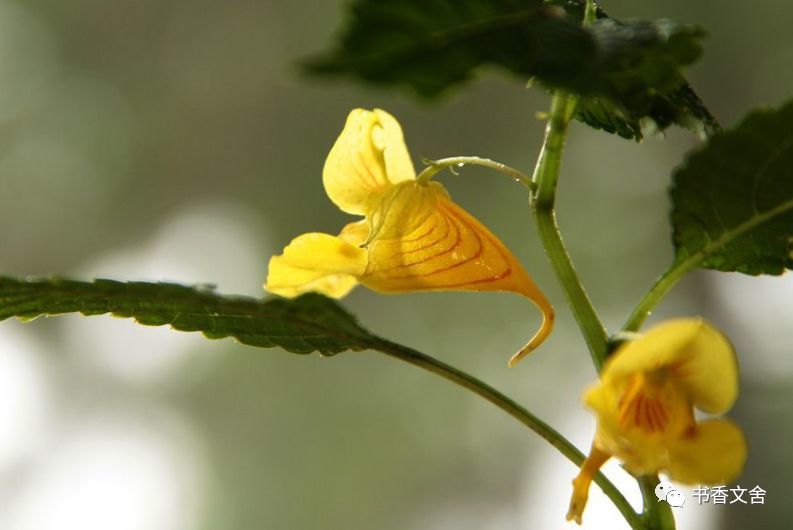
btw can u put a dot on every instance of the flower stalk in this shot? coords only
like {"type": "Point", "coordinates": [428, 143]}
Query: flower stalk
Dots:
{"type": "Point", "coordinates": [656, 515]}
{"type": "Point", "coordinates": [436, 166]}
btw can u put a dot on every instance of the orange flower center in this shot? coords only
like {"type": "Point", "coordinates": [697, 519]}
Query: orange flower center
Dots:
{"type": "Point", "coordinates": [652, 404]}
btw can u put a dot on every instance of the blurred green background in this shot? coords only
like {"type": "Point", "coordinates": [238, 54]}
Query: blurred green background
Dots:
{"type": "Point", "coordinates": [176, 140]}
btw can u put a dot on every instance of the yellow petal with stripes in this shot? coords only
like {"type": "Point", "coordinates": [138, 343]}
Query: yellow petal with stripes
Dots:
{"type": "Point", "coordinates": [425, 242]}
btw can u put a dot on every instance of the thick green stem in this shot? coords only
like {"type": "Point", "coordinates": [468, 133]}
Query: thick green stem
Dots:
{"type": "Point", "coordinates": [546, 175]}
{"type": "Point", "coordinates": [657, 515]}
{"type": "Point", "coordinates": [590, 12]}
{"type": "Point", "coordinates": [509, 406]}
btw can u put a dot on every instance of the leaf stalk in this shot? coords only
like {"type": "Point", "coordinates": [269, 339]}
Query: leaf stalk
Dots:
{"type": "Point", "coordinates": [512, 408]}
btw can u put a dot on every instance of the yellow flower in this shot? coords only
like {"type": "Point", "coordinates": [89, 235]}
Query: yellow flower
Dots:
{"type": "Point", "coordinates": [412, 238]}
{"type": "Point", "coordinates": [645, 407]}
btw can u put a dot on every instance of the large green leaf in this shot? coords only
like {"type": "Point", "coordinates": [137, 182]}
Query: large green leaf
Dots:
{"type": "Point", "coordinates": [630, 72]}
{"type": "Point", "coordinates": [309, 323]}
{"type": "Point", "coordinates": [733, 199]}
{"type": "Point", "coordinates": [430, 45]}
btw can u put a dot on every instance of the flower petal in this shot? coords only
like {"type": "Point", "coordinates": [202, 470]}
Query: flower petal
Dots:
{"type": "Point", "coordinates": [389, 138]}
{"type": "Point", "coordinates": [316, 262]}
{"type": "Point", "coordinates": [640, 452]}
{"type": "Point", "coordinates": [368, 158]}
{"type": "Point", "coordinates": [425, 242]}
{"type": "Point", "coordinates": [355, 233]}
{"type": "Point", "coordinates": [698, 355]}
{"type": "Point", "coordinates": [714, 454]}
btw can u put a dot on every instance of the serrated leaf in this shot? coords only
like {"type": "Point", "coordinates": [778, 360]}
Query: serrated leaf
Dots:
{"type": "Point", "coordinates": [641, 83]}
{"type": "Point", "coordinates": [629, 71]}
{"type": "Point", "coordinates": [303, 325]}
{"type": "Point", "coordinates": [733, 199]}
{"type": "Point", "coordinates": [681, 107]}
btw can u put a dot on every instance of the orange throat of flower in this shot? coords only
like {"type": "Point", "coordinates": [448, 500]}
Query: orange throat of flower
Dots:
{"type": "Point", "coordinates": [652, 404]}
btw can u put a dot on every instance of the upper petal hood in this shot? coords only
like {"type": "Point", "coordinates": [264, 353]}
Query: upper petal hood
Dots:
{"type": "Point", "coordinates": [698, 355]}
{"type": "Point", "coordinates": [368, 158]}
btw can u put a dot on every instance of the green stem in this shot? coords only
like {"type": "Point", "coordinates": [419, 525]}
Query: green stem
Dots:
{"type": "Point", "coordinates": [657, 515]}
{"type": "Point", "coordinates": [590, 12]}
{"type": "Point", "coordinates": [436, 166]}
{"type": "Point", "coordinates": [509, 406]}
{"type": "Point", "coordinates": [658, 291]}
{"type": "Point", "coordinates": [546, 175]}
